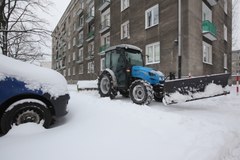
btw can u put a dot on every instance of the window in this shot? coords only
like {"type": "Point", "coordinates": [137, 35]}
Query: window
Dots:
{"type": "Point", "coordinates": [81, 21]}
{"type": "Point", "coordinates": [207, 53]}
{"type": "Point", "coordinates": [81, 69]}
{"type": "Point", "coordinates": [64, 72]}
{"type": "Point", "coordinates": [69, 45]}
{"type": "Point", "coordinates": [153, 53]}
{"type": "Point", "coordinates": [74, 71]}
{"type": "Point", "coordinates": [69, 71]}
{"type": "Point", "coordinates": [80, 55]}
{"type": "Point", "coordinates": [74, 56]}
{"type": "Point", "coordinates": [206, 13]}
{"type": "Point", "coordinates": [125, 30]}
{"type": "Point", "coordinates": [69, 59]}
{"type": "Point", "coordinates": [91, 67]}
{"type": "Point", "coordinates": [102, 64]}
{"type": "Point", "coordinates": [105, 40]}
{"type": "Point", "coordinates": [152, 16]}
{"type": "Point", "coordinates": [124, 4]}
{"type": "Point", "coordinates": [91, 49]}
{"type": "Point", "coordinates": [225, 61]}
{"type": "Point", "coordinates": [225, 33]}
{"type": "Point", "coordinates": [225, 6]}
{"type": "Point", "coordinates": [74, 26]}
{"type": "Point", "coordinates": [74, 41]}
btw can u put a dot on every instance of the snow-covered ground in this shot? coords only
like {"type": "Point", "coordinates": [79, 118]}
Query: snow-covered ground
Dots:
{"type": "Point", "coordinates": [103, 129]}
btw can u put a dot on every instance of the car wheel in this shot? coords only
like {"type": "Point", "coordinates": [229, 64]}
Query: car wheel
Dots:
{"type": "Point", "coordinates": [33, 111]}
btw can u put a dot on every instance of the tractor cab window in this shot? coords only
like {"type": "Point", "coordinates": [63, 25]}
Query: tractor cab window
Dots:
{"type": "Point", "coordinates": [111, 60]}
{"type": "Point", "coordinates": [134, 58]}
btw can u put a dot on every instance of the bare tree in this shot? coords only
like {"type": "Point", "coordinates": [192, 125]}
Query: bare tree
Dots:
{"type": "Point", "coordinates": [24, 33]}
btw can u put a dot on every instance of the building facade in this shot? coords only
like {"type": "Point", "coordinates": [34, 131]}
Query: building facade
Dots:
{"type": "Point", "coordinates": [236, 62]}
{"type": "Point", "coordinates": [88, 27]}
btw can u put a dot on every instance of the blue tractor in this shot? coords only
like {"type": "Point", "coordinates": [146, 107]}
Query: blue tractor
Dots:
{"type": "Point", "coordinates": [125, 73]}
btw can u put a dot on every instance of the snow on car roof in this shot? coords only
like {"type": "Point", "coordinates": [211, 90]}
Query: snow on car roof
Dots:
{"type": "Point", "coordinates": [124, 46]}
{"type": "Point", "coordinates": [35, 77]}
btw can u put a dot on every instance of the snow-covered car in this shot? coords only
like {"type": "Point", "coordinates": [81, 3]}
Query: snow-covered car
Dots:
{"type": "Point", "coordinates": [29, 93]}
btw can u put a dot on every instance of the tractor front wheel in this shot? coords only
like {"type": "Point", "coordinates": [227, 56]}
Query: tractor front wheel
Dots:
{"type": "Point", "coordinates": [141, 92]}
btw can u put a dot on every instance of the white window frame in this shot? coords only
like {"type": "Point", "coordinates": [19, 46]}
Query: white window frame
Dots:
{"type": "Point", "coordinates": [225, 6]}
{"type": "Point", "coordinates": [102, 64]}
{"type": "Point", "coordinates": [206, 13]}
{"type": "Point", "coordinates": [74, 71]}
{"type": "Point", "coordinates": [64, 72]}
{"type": "Point", "coordinates": [69, 45]}
{"type": "Point", "coordinates": [69, 71]}
{"type": "Point", "coordinates": [154, 20]}
{"type": "Point", "coordinates": [125, 30]}
{"type": "Point", "coordinates": [69, 58]}
{"type": "Point", "coordinates": [91, 67]}
{"type": "Point", "coordinates": [80, 69]}
{"type": "Point", "coordinates": [74, 41]}
{"type": "Point", "coordinates": [124, 4]}
{"type": "Point", "coordinates": [225, 32]}
{"type": "Point", "coordinates": [80, 55]}
{"type": "Point", "coordinates": [207, 55]}
{"type": "Point", "coordinates": [153, 54]}
{"type": "Point", "coordinates": [105, 39]}
{"type": "Point", "coordinates": [225, 61]}
{"type": "Point", "coordinates": [74, 56]}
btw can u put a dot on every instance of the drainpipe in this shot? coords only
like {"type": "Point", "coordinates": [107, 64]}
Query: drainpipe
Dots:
{"type": "Point", "coordinates": [179, 39]}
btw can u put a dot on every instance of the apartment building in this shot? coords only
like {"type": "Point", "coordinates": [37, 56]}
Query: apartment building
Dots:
{"type": "Point", "coordinates": [236, 62]}
{"type": "Point", "coordinates": [88, 27]}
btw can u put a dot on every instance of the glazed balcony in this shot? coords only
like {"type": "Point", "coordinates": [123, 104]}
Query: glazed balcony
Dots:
{"type": "Point", "coordinates": [104, 4]}
{"type": "Point", "coordinates": [209, 30]}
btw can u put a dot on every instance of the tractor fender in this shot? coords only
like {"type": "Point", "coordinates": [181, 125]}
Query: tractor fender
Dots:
{"type": "Point", "coordinates": [113, 76]}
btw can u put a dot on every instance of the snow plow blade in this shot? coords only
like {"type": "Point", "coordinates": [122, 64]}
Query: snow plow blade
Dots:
{"type": "Point", "coordinates": [184, 90]}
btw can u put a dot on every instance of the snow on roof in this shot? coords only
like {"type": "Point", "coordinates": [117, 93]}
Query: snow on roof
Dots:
{"type": "Point", "coordinates": [48, 80]}
{"type": "Point", "coordinates": [126, 46]}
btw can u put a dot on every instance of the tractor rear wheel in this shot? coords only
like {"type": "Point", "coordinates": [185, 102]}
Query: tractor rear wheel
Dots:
{"type": "Point", "coordinates": [105, 85]}
{"type": "Point", "coordinates": [141, 92]}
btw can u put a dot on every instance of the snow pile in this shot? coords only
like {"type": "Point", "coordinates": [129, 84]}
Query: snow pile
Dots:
{"type": "Point", "coordinates": [49, 81]}
{"type": "Point", "coordinates": [209, 91]}
{"type": "Point", "coordinates": [87, 84]}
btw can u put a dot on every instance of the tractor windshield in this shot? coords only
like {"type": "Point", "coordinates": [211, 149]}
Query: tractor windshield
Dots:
{"type": "Point", "coordinates": [134, 57]}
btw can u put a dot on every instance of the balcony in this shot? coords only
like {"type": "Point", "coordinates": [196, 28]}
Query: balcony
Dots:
{"type": "Point", "coordinates": [90, 55]}
{"type": "Point", "coordinates": [79, 60]}
{"type": "Point", "coordinates": [80, 43]}
{"type": "Point", "coordinates": [90, 16]}
{"type": "Point", "coordinates": [105, 25]}
{"type": "Point", "coordinates": [103, 48]}
{"type": "Point", "coordinates": [212, 2]}
{"type": "Point", "coordinates": [104, 4]}
{"type": "Point", "coordinates": [80, 27]}
{"type": "Point", "coordinates": [90, 36]}
{"type": "Point", "coordinates": [80, 11]}
{"type": "Point", "coordinates": [209, 30]}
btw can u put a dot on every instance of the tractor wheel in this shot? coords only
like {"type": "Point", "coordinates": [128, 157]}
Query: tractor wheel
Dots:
{"type": "Point", "coordinates": [158, 97]}
{"type": "Point", "coordinates": [141, 92]}
{"type": "Point", "coordinates": [18, 114]}
{"type": "Point", "coordinates": [105, 85]}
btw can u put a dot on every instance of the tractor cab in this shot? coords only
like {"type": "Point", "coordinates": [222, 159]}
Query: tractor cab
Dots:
{"type": "Point", "coordinates": [120, 59]}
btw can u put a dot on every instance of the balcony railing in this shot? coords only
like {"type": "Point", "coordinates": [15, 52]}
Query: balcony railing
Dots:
{"type": "Point", "coordinates": [90, 16]}
{"type": "Point", "coordinates": [80, 11]}
{"type": "Point", "coordinates": [80, 27]}
{"type": "Point", "coordinates": [103, 48]}
{"type": "Point", "coordinates": [212, 2]}
{"type": "Point", "coordinates": [90, 36]}
{"type": "Point", "coordinates": [105, 25]}
{"type": "Point", "coordinates": [209, 30]}
{"type": "Point", "coordinates": [104, 4]}
{"type": "Point", "coordinates": [79, 59]}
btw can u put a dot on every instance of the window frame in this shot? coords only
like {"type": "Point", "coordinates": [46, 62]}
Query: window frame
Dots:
{"type": "Point", "coordinates": [122, 5]}
{"type": "Point", "coordinates": [154, 61]}
{"type": "Point", "coordinates": [127, 25]}
{"type": "Point", "coordinates": [209, 55]}
{"type": "Point", "coordinates": [151, 10]}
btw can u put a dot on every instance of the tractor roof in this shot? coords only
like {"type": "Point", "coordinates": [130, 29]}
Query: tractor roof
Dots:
{"type": "Point", "coordinates": [126, 46]}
